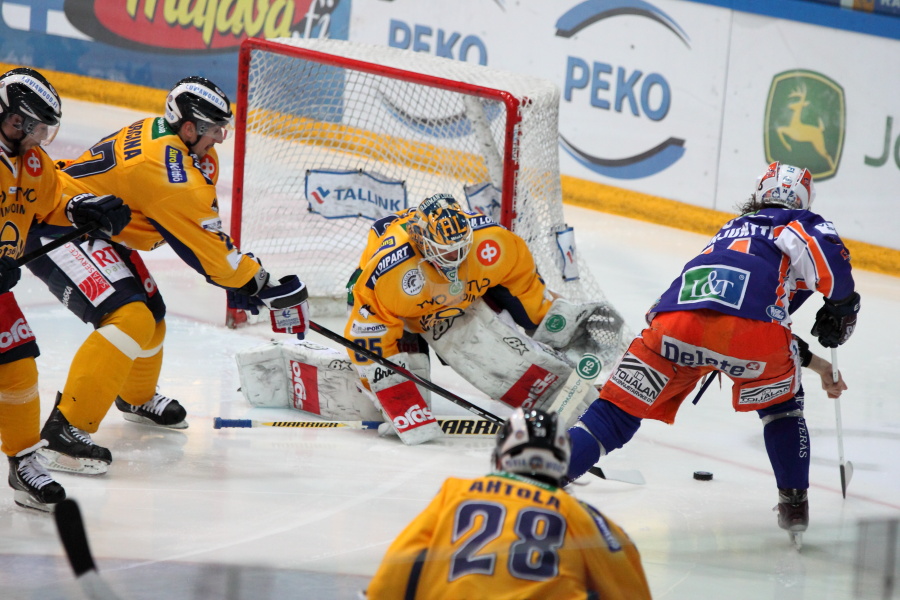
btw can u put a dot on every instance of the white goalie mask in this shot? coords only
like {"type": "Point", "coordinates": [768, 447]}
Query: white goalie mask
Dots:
{"type": "Point", "coordinates": [531, 444]}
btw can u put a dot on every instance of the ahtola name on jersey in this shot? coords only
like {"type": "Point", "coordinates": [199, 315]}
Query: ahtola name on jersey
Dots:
{"type": "Point", "coordinates": [506, 488]}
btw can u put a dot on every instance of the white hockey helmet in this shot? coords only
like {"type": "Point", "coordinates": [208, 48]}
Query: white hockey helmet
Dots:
{"type": "Point", "coordinates": [442, 233]}
{"type": "Point", "coordinates": [199, 100]}
{"type": "Point", "coordinates": [532, 444]}
{"type": "Point", "coordinates": [787, 185]}
{"type": "Point", "coordinates": [27, 93]}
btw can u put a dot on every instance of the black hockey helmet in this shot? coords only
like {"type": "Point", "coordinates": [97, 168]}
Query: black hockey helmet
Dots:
{"type": "Point", "coordinates": [200, 101]}
{"type": "Point", "coordinates": [531, 443]}
{"type": "Point", "coordinates": [27, 93]}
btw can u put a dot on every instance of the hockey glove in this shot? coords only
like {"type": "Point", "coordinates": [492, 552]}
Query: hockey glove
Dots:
{"type": "Point", "coordinates": [289, 305]}
{"type": "Point", "coordinates": [109, 211]}
{"type": "Point", "coordinates": [9, 273]}
{"type": "Point", "coordinates": [836, 321]}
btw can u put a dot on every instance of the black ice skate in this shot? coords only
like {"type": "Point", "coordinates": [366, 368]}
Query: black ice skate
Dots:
{"type": "Point", "coordinates": [70, 449]}
{"type": "Point", "coordinates": [793, 513]}
{"type": "Point", "coordinates": [32, 485]}
{"type": "Point", "coordinates": [160, 410]}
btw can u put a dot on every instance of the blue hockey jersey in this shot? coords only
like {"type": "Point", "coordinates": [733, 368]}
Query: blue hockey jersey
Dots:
{"type": "Point", "coordinates": [763, 266]}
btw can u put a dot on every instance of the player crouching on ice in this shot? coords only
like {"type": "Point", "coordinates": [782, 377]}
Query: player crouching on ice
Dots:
{"type": "Point", "coordinates": [462, 285]}
{"type": "Point", "coordinates": [729, 311]}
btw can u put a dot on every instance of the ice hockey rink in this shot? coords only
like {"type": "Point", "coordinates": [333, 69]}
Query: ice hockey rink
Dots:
{"type": "Point", "coordinates": [270, 513]}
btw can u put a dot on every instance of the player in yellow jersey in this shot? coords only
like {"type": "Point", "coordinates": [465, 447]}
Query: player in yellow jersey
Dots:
{"type": "Point", "coordinates": [167, 169]}
{"type": "Point", "coordinates": [469, 289]}
{"type": "Point", "coordinates": [514, 533]}
{"type": "Point", "coordinates": [31, 191]}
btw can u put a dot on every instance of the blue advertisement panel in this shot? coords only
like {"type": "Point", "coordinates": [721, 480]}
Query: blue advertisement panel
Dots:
{"type": "Point", "coordinates": [155, 43]}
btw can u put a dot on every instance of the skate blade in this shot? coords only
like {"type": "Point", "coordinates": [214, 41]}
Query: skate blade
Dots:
{"type": "Point", "coordinates": [796, 539]}
{"type": "Point", "coordinates": [146, 421]}
{"type": "Point", "coordinates": [56, 461]}
{"type": "Point", "coordinates": [25, 500]}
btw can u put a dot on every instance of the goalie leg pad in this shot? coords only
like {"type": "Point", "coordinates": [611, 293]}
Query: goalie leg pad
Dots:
{"type": "Point", "coordinates": [264, 381]}
{"type": "Point", "coordinates": [499, 359]}
{"type": "Point", "coordinates": [402, 405]}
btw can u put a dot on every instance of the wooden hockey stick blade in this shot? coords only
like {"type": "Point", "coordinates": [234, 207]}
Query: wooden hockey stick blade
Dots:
{"type": "Point", "coordinates": [74, 540]}
{"type": "Point", "coordinates": [626, 476]}
{"type": "Point", "coordinates": [450, 426]}
{"type": "Point", "coordinates": [56, 243]}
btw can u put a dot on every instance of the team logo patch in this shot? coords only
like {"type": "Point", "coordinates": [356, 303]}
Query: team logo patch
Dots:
{"type": "Point", "coordinates": [776, 312]}
{"type": "Point", "coordinates": [639, 379]}
{"type": "Point", "coordinates": [766, 393]}
{"type": "Point", "coordinates": [714, 283]}
{"type": "Point", "coordinates": [33, 163]}
{"type": "Point", "coordinates": [210, 167]}
{"type": "Point", "coordinates": [556, 323]}
{"type": "Point", "coordinates": [488, 252]}
{"type": "Point", "coordinates": [175, 165]}
{"type": "Point", "coordinates": [413, 282]}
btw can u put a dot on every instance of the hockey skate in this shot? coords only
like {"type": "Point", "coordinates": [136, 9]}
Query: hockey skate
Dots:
{"type": "Point", "coordinates": [70, 449]}
{"type": "Point", "coordinates": [793, 514]}
{"type": "Point", "coordinates": [160, 411]}
{"type": "Point", "coordinates": [32, 485]}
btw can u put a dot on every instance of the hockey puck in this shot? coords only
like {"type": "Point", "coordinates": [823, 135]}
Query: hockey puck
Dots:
{"type": "Point", "coordinates": [702, 475]}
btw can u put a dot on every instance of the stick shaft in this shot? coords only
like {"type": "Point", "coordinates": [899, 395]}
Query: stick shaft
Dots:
{"type": "Point", "coordinates": [56, 243]}
{"type": "Point", "coordinates": [449, 426]}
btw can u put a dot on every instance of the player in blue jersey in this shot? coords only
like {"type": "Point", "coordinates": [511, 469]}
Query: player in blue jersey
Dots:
{"type": "Point", "coordinates": [730, 311]}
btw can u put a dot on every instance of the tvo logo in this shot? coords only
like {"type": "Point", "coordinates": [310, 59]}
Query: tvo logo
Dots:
{"type": "Point", "coordinates": [416, 415]}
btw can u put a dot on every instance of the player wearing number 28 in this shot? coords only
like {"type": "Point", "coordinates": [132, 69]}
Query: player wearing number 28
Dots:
{"type": "Point", "coordinates": [730, 311]}
{"type": "Point", "coordinates": [458, 283]}
{"type": "Point", "coordinates": [31, 192]}
{"type": "Point", "coordinates": [167, 168]}
{"type": "Point", "coordinates": [514, 533]}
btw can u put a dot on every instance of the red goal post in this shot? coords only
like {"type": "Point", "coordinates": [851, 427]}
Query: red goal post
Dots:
{"type": "Point", "coordinates": [329, 130]}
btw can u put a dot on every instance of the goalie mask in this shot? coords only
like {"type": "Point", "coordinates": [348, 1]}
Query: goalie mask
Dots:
{"type": "Point", "coordinates": [200, 101]}
{"type": "Point", "coordinates": [26, 93]}
{"type": "Point", "coordinates": [441, 232]}
{"type": "Point", "coordinates": [531, 444]}
{"type": "Point", "coordinates": [787, 186]}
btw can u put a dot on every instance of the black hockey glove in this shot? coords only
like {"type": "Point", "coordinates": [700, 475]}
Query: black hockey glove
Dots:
{"type": "Point", "coordinates": [9, 273]}
{"type": "Point", "coordinates": [836, 321]}
{"type": "Point", "coordinates": [109, 211]}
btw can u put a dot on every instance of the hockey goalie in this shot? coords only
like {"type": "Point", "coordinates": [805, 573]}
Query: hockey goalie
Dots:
{"type": "Point", "coordinates": [438, 278]}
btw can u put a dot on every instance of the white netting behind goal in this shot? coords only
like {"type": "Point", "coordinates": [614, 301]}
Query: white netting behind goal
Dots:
{"type": "Point", "coordinates": [437, 125]}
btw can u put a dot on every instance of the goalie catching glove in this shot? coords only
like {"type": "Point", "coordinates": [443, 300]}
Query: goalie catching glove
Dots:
{"type": "Point", "coordinates": [108, 211]}
{"type": "Point", "coordinates": [836, 321]}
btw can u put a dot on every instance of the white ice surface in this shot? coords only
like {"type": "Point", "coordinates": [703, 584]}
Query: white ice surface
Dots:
{"type": "Point", "coordinates": [281, 513]}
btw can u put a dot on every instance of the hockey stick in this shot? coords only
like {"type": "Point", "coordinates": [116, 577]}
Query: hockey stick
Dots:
{"type": "Point", "coordinates": [449, 426]}
{"type": "Point", "coordinates": [74, 539]}
{"type": "Point", "coordinates": [846, 465]}
{"type": "Point", "coordinates": [424, 383]}
{"type": "Point", "coordinates": [56, 243]}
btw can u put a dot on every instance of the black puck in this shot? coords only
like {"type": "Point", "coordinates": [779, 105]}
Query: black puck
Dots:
{"type": "Point", "coordinates": [702, 475]}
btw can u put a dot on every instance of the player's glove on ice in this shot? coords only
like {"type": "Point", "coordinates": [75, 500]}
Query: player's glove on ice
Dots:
{"type": "Point", "coordinates": [109, 211]}
{"type": "Point", "coordinates": [9, 273]}
{"type": "Point", "coordinates": [836, 321]}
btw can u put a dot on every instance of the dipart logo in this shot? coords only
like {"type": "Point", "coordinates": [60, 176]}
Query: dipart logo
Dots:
{"type": "Point", "coordinates": [805, 122]}
{"type": "Point", "coordinates": [624, 89]}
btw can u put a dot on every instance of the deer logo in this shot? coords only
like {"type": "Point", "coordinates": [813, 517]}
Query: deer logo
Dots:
{"type": "Point", "coordinates": [805, 122]}
{"type": "Point", "coordinates": [799, 131]}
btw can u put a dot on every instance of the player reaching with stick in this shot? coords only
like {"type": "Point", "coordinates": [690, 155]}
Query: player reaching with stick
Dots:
{"type": "Point", "coordinates": [168, 169]}
{"type": "Point", "coordinates": [514, 533]}
{"type": "Point", "coordinates": [730, 311]}
{"type": "Point", "coordinates": [30, 113]}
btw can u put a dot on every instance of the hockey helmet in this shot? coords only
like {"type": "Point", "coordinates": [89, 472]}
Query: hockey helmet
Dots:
{"type": "Point", "coordinates": [27, 93]}
{"type": "Point", "coordinates": [530, 443]}
{"type": "Point", "coordinates": [200, 101]}
{"type": "Point", "coordinates": [786, 185]}
{"type": "Point", "coordinates": [441, 232]}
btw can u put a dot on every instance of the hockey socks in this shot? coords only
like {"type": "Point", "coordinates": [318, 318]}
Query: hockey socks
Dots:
{"type": "Point", "coordinates": [787, 443]}
{"type": "Point", "coordinates": [603, 428]}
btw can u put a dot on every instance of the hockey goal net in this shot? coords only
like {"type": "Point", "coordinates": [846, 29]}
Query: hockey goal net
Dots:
{"type": "Point", "coordinates": [333, 134]}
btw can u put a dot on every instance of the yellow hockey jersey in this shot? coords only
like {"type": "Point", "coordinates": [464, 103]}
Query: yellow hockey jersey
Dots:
{"type": "Point", "coordinates": [30, 190]}
{"type": "Point", "coordinates": [505, 537]}
{"type": "Point", "coordinates": [171, 193]}
{"type": "Point", "coordinates": [397, 288]}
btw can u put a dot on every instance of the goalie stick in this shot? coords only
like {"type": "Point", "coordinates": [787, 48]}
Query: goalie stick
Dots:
{"type": "Point", "coordinates": [74, 539]}
{"type": "Point", "coordinates": [449, 426]}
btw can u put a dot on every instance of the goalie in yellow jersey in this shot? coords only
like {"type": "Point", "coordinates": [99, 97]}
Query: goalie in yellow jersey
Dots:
{"type": "Point", "coordinates": [167, 169]}
{"type": "Point", "coordinates": [514, 533]}
{"type": "Point", "coordinates": [455, 282]}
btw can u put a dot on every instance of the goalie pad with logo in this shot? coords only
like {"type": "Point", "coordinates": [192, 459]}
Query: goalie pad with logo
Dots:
{"type": "Point", "coordinates": [400, 400]}
{"type": "Point", "coordinates": [579, 329]}
{"type": "Point", "coordinates": [490, 352]}
{"type": "Point", "coordinates": [305, 376]}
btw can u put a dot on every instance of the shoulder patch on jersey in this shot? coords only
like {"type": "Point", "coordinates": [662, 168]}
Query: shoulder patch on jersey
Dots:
{"type": "Point", "coordinates": [381, 225]}
{"type": "Point", "coordinates": [174, 159]}
{"type": "Point", "coordinates": [388, 262]}
{"type": "Point", "coordinates": [160, 128]}
{"type": "Point", "coordinates": [479, 221]}
{"type": "Point", "coordinates": [209, 166]}
{"type": "Point", "coordinates": [388, 242]}
{"type": "Point", "coordinates": [32, 162]}
{"type": "Point", "coordinates": [488, 252]}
